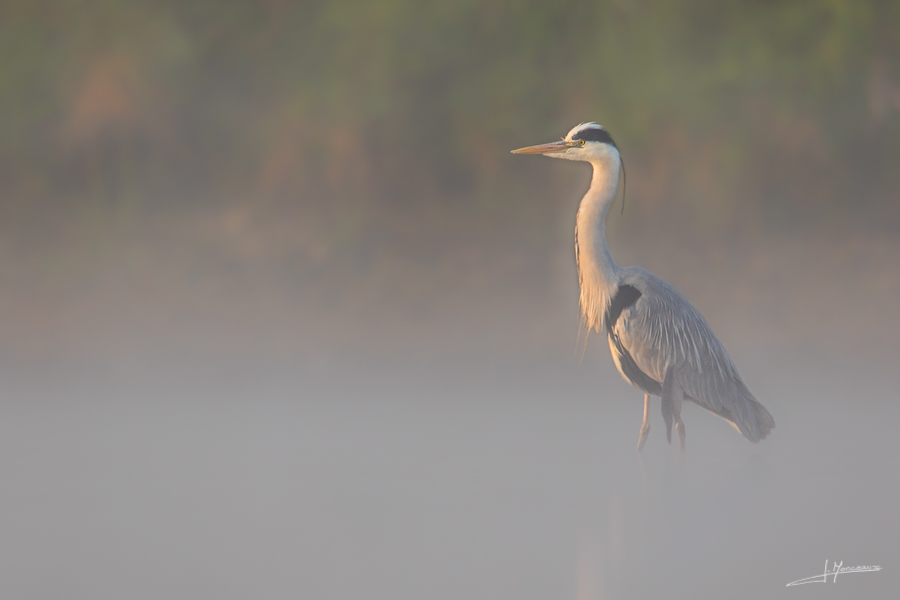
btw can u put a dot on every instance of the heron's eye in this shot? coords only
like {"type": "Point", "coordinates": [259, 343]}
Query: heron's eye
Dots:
{"type": "Point", "coordinates": [582, 142]}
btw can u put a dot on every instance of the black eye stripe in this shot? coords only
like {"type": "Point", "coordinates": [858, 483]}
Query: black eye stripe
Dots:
{"type": "Point", "coordinates": [595, 134]}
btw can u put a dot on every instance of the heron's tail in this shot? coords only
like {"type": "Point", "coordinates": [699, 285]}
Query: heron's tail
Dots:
{"type": "Point", "coordinates": [746, 413]}
{"type": "Point", "coordinates": [765, 422]}
{"type": "Point", "coordinates": [756, 421]}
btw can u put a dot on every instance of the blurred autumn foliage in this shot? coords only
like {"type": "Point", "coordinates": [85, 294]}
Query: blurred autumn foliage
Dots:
{"type": "Point", "coordinates": [315, 141]}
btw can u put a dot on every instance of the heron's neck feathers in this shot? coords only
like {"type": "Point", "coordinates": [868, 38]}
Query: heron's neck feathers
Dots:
{"type": "Point", "coordinates": [598, 273]}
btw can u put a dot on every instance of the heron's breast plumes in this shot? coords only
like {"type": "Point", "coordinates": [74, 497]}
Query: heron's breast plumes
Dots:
{"type": "Point", "coordinates": [594, 298]}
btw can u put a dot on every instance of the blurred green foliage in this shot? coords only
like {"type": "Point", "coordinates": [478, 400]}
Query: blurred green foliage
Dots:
{"type": "Point", "coordinates": [218, 177]}
{"type": "Point", "coordinates": [755, 115]}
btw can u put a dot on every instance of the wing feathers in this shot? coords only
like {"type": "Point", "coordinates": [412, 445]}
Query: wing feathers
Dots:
{"type": "Point", "coordinates": [661, 329]}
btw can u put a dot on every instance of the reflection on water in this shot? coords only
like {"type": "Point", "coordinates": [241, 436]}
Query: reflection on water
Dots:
{"type": "Point", "coordinates": [444, 486]}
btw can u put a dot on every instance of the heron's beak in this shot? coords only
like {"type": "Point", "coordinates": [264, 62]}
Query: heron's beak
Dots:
{"type": "Point", "coordinates": [559, 146]}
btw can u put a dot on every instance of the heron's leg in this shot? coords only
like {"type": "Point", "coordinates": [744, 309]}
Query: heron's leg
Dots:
{"type": "Point", "coordinates": [679, 431]}
{"type": "Point", "coordinates": [672, 397]}
{"type": "Point", "coordinates": [645, 426]}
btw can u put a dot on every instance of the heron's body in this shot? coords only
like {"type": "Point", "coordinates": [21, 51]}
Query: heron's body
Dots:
{"type": "Point", "coordinates": [659, 342]}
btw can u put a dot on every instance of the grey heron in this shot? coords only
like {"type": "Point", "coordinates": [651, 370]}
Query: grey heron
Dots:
{"type": "Point", "coordinates": [659, 342]}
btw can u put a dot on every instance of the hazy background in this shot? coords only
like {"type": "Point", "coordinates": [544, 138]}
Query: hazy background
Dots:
{"type": "Point", "coordinates": [281, 316]}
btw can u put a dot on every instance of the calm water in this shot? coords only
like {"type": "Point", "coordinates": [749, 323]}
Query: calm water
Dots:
{"type": "Point", "coordinates": [522, 484]}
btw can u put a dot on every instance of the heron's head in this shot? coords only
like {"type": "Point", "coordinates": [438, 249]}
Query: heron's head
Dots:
{"type": "Point", "coordinates": [587, 142]}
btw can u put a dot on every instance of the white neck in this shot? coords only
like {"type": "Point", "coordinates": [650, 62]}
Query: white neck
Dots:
{"type": "Point", "coordinates": [598, 273]}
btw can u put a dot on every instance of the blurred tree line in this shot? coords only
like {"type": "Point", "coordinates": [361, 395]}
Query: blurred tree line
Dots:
{"type": "Point", "coordinates": [366, 121]}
